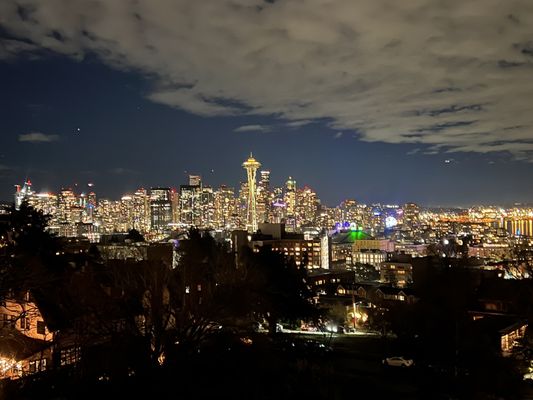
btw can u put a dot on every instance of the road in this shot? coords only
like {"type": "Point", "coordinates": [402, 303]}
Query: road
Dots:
{"type": "Point", "coordinates": [355, 367]}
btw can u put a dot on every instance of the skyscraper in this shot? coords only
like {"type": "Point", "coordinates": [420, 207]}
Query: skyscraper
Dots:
{"type": "Point", "coordinates": [251, 166]}
{"type": "Point", "coordinates": [161, 209]}
{"type": "Point", "coordinates": [195, 180]}
{"type": "Point", "coordinates": [225, 216]}
{"type": "Point", "coordinates": [306, 206]}
{"type": "Point", "coordinates": [411, 215]}
{"type": "Point", "coordinates": [23, 193]}
{"type": "Point", "coordinates": [264, 197]}
{"type": "Point", "coordinates": [207, 207]}
{"type": "Point", "coordinates": [290, 202]}
{"type": "Point", "coordinates": [190, 200]}
{"type": "Point", "coordinates": [141, 204]}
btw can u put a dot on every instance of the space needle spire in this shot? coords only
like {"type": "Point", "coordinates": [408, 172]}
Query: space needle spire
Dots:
{"type": "Point", "coordinates": [251, 165]}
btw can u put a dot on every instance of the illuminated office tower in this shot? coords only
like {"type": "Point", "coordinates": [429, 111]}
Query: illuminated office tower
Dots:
{"type": "Point", "coordinates": [66, 204]}
{"type": "Point", "coordinates": [190, 200]}
{"type": "Point", "coordinates": [108, 215]}
{"type": "Point", "coordinates": [45, 202]}
{"type": "Point", "coordinates": [349, 211]}
{"type": "Point", "coordinates": [289, 199]}
{"type": "Point", "coordinates": [125, 220]}
{"type": "Point", "coordinates": [207, 207]}
{"type": "Point", "coordinates": [91, 206]}
{"type": "Point", "coordinates": [329, 217]}
{"type": "Point", "coordinates": [22, 193]}
{"type": "Point", "coordinates": [160, 209]}
{"type": "Point", "coordinates": [306, 206]}
{"type": "Point", "coordinates": [195, 180]}
{"type": "Point", "coordinates": [279, 209]}
{"type": "Point", "coordinates": [82, 199]}
{"type": "Point", "coordinates": [81, 205]}
{"type": "Point", "coordinates": [263, 197]}
{"type": "Point", "coordinates": [225, 208]}
{"type": "Point", "coordinates": [251, 166]}
{"type": "Point", "coordinates": [241, 206]}
{"type": "Point", "coordinates": [411, 215]}
{"type": "Point", "coordinates": [141, 207]}
{"type": "Point", "coordinates": [175, 206]}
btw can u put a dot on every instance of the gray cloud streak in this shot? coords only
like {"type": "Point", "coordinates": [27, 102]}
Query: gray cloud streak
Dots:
{"type": "Point", "coordinates": [37, 137]}
{"type": "Point", "coordinates": [252, 128]}
{"type": "Point", "coordinates": [452, 75]}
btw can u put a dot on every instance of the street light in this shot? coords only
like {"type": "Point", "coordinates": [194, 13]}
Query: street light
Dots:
{"type": "Point", "coordinates": [354, 311]}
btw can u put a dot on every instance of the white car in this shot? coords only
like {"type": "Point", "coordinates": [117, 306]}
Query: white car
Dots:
{"type": "Point", "coordinates": [398, 362]}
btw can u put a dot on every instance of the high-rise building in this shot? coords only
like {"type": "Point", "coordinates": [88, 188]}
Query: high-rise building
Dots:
{"type": "Point", "coordinates": [108, 215]}
{"type": "Point", "coordinates": [22, 193]}
{"type": "Point", "coordinates": [141, 206]}
{"type": "Point", "coordinates": [67, 207]}
{"type": "Point", "coordinates": [251, 165]}
{"type": "Point", "coordinates": [160, 209]}
{"type": "Point", "coordinates": [289, 198]}
{"type": "Point", "coordinates": [306, 206]}
{"type": "Point", "coordinates": [207, 207]}
{"type": "Point", "coordinates": [264, 199]}
{"type": "Point", "coordinates": [225, 216]}
{"type": "Point", "coordinates": [190, 200]}
{"type": "Point", "coordinates": [411, 215]}
{"type": "Point", "coordinates": [195, 180]}
{"type": "Point", "coordinates": [91, 206]}
{"type": "Point", "coordinates": [175, 206]}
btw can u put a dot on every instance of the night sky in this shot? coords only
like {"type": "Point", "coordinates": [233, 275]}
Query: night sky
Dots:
{"type": "Point", "coordinates": [381, 101]}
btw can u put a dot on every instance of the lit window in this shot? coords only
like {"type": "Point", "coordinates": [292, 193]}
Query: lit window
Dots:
{"type": "Point", "coordinates": [24, 323]}
{"type": "Point", "coordinates": [70, 356]}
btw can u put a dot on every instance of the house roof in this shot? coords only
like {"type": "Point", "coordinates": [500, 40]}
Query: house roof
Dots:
{"type": "Point", "coordinates": [395, 290]}
{"type": "Point", "coordinates": [501, 324]}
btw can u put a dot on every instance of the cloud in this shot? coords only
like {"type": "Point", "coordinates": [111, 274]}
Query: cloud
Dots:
{"type": "Point", "coordinates": [444, 76]}
{"type": "Point", "coordinates": [11, 48]}
{"type": "Point", "coordinates": [252, 128]}
{"type": "Point", "coordinates": [297, 124]}
{"type": "Point", "coordinates": [338, 135]}
{"type": "Point", "coordinates": [38, 137]}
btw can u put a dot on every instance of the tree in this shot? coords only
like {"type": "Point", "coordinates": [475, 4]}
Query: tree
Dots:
{"type": "Point", "coordinates": [276, 288]}
{"type": "Point", "coordinates": [365, 272]}
{"type": "Point", "coordinates": [134, 236]}
{"type": "Point", "coordinates": [28, 252]}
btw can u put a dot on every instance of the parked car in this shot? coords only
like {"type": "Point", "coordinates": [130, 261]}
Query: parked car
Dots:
{"type": "Point", "coordinates": [528, 376]}
{"type": "Point", "coordinates": [398, 362]}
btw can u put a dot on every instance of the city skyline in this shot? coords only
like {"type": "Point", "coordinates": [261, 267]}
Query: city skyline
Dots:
{"type": "Point", "coordinates": [87, 187]}
{"type": "Point", "coordinates": [432, 109]}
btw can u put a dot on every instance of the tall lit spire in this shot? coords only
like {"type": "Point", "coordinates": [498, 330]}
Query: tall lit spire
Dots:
{"type": "Point", "coordinates": [251, 166]}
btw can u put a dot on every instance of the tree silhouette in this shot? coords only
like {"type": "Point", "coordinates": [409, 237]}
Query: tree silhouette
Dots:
{"type": "Point", "coordinates": [277, 288]}
{"type": "Point", "coordinates": [135, 236]}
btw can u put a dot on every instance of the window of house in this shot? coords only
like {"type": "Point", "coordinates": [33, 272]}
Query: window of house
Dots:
{"type": "Point", "coordinates": [41, 328]}
{"type": "Point", "coordinates": [70, 356]}
{"type": "Point", "coordinates": [24, 323]}
{"type": "Point", "coordinates": [37, 365]}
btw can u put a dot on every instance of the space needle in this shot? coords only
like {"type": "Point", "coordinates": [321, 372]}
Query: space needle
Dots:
{"type": "Point", "coordinates": [251, 166]}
